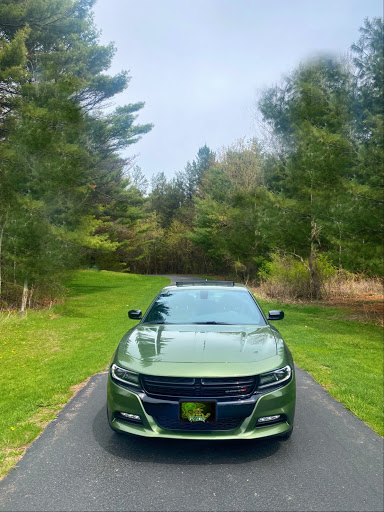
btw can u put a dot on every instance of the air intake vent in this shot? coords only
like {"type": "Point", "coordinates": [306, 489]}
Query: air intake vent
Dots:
{"type": "Point", "coordinates": [224, 424]}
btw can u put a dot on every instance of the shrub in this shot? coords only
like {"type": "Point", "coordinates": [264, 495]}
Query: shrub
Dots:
{"type": "Point", "coordinates": [345, 284]}
{"type": "Point", "coordinates": [288, 277]}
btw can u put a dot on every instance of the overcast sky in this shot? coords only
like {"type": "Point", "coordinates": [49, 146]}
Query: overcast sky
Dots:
{"type": "Point", "coordinates": [199, 65]}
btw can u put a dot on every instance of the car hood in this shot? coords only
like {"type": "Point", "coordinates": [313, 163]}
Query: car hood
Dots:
{"type": "Point", "coordinates": [200, 349]}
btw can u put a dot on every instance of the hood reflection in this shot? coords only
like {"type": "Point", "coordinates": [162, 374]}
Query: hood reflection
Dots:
{"type": "Point", "coordinates": [181, 343]}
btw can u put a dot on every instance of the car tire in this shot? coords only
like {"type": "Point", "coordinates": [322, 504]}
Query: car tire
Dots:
{"type": "Point", "coordinates": [286, 435]}
{"type": "Point", "coordinates": [109, 423]}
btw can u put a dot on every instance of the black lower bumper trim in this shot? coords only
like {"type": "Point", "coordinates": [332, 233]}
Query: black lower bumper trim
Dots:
{"type": "Point", "coordinates": [223, 424]}
{"type": "Point", "coordinates": [225, 409]}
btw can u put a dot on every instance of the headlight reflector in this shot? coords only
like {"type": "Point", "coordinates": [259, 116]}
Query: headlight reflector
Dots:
{"type": "Point", "coordinates": [126, 376]}
{"type": "Point", "coordinates": [275, 378]}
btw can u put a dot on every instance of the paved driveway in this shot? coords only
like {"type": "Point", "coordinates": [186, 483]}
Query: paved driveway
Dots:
{"type": "Point", "coordinates": [333, 461]}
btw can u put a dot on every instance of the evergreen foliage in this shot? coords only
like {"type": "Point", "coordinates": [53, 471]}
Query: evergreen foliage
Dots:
{"type": "Point", "coordinates": [310, 199]}
{"type": "Point", "coordinates": [313, 194]}
{"type": "Point", "coordinates": [63, 189]}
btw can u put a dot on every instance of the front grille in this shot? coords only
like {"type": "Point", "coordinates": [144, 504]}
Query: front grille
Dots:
{"type": "Point", "coordinates": [180, 387]}
{"type": "Point", "coordinates": [172, 424]}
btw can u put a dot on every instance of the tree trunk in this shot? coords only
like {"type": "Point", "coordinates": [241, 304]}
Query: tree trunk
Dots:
{"type": "Point", "coordinates": [340, 246]}
{"type": "Point", "coordinates": [315, 278]}
{"type": "Point", "coordinates": [30, 297]}
{"type": "Point", "coordinates": [24, 298]}
{"type": "Point", "coordinates": [154, 253]}
{"type": "Point", "coordinates": [1, 247]}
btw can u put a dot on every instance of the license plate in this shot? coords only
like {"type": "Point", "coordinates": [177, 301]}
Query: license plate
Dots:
{"type": "Point", "coordinates": [198, 412]}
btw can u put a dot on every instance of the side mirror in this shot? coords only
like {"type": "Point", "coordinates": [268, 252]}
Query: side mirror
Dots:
{"type": "Point", "coordinates": [275, 315]}
{"type": "Point", "coordinates": [135, 314]}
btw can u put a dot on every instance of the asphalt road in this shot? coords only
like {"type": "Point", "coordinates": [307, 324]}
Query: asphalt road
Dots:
{"type": "Point", "coordinates": [332, 462]}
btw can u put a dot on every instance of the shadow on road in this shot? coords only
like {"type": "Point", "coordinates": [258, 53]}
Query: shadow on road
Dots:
{"type": "Point", "coordinates": [177, 451]}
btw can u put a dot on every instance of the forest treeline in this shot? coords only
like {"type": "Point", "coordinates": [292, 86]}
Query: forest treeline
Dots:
{"type": "Point", "coordinates": [308, 191]}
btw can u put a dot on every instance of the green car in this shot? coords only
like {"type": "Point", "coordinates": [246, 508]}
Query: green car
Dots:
{"type": "Point", "coordinates": [203, 363]}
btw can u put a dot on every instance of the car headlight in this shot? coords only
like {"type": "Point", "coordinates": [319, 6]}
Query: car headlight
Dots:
{"type": "Point", "coordinates": [126, 376]}
{"type": "Point", "coordinates": [275, 378]}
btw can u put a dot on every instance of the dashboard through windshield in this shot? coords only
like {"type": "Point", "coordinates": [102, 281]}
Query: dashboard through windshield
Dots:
{"type": "Point", "coordinates": [197, 306]}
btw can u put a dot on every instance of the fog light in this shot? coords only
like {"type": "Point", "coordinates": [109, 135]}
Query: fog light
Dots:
{"type": "Point", "coordinates": [129, 416]}
{"type": "Point", "coordinates": [268, 418]}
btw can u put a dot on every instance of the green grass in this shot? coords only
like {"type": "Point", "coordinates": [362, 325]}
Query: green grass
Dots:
{"type": "Point", "coordinates": [43, 355]}
{"type": "Point", "coordinates": [47, 353]}
{"type": "Point", "coordinates": [344, 356]}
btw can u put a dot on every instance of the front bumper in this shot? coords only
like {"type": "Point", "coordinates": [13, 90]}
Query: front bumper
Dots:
{"type": "Point", "coordinates": [246, 411]}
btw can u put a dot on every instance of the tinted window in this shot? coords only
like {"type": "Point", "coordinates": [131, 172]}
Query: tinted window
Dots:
{"type": "Point", "coordinates": [204, 306]}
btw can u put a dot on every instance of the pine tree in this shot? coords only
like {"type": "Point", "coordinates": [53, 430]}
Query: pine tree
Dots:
{"type": "Point", "coordinates": [59, 167]}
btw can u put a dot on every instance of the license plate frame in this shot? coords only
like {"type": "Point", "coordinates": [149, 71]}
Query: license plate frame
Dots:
{"type": "Point", "coordinates": [197, 411]}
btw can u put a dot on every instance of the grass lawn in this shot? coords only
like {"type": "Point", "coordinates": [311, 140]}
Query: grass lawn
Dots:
{"type": "Point", "coordinates": [343, 355]}
{"type": "Point", "coordinates": [46, 353]}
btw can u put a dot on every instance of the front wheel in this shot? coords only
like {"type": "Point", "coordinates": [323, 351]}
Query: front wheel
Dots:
{"type": "Point", "coordinates": [286, 435]}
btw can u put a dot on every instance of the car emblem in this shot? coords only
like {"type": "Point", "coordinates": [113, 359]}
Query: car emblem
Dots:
{"type": "Point", "coordinates": [236, 390]}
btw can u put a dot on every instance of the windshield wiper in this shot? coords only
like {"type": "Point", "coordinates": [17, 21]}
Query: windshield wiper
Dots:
{"type": "Point", "coordinates": [212, 323]}
{"type": "Point", "coordinates": [161, 322]}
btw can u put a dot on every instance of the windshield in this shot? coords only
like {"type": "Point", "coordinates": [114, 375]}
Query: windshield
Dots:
{"type": "Point", "coordinates": [196, 306]}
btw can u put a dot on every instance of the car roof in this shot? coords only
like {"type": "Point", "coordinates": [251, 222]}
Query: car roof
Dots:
{"type": "Point", "coordinates": [206, 285]}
